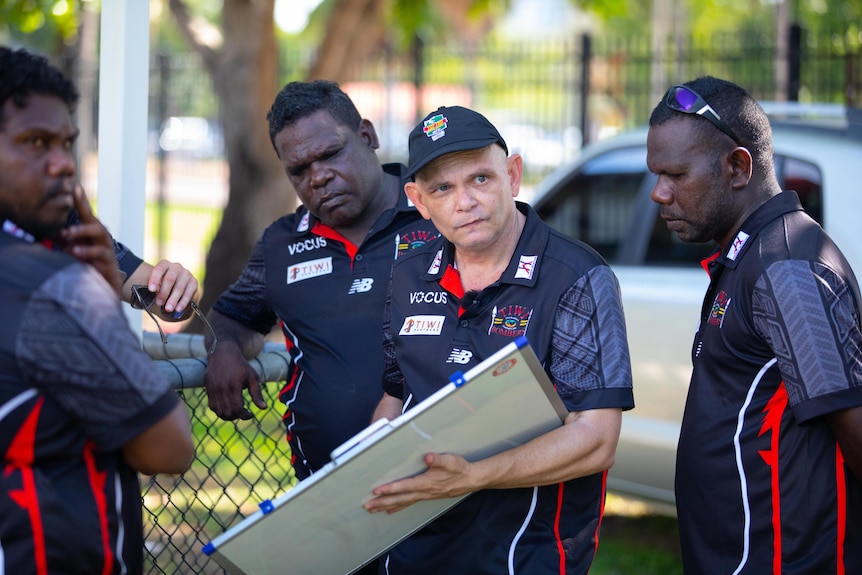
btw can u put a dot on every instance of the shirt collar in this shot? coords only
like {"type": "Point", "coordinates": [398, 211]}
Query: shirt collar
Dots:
{"type": "Point", "coordinates": [523, 268]}
{"type": "Point", "coordinates": [14, 230]}
{"type": "Point", "coordinates": [773, 208]}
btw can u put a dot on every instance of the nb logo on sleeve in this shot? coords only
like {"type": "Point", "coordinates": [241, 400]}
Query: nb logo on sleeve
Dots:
{"type": "Point", "coordinates": [460, 356]}
{"type": "Point", "coordinates": [361, 285]}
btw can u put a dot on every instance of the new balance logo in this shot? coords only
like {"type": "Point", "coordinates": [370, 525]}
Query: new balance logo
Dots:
{"type": "Point", "coordinates": [460, 356]}
{"type": "Point", "coordinates": [361, 285]}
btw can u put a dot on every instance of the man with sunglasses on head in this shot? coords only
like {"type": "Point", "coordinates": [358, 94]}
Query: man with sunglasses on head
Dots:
{"type": "Point", "coordinates": [769, 463]}
{"type": "Point", "coordinates": [83, 409]}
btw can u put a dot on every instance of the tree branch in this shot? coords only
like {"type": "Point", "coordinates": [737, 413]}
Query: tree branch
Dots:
{"type": "Point", "coordinates": [184, 21]}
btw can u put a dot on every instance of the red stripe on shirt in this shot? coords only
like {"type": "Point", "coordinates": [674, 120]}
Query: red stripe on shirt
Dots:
{"type": "Point", "coordinates": [601, 512]}
{"type": "Point", "coordinates": [557, 537]}
{"type": "Point", "coordinates": [20, 456]}
{"type": "Point", "coordinates": [773, 414]}
{"type": "Point", "coordinates": [451, 282]}
{"type": "Point", "coordinates": [98, 481]}
{"type": "Point", "coordinates": [841, 492]}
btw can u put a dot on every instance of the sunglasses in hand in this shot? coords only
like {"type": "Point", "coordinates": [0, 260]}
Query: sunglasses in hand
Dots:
{"type": "Point", "coordinates": [143, 298]}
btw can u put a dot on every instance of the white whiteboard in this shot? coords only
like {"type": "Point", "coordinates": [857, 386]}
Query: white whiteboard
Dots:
{"type": "Point", "coordinates": [320, 526]}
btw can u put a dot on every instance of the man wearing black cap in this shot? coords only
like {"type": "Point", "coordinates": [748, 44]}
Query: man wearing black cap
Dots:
{"type": "Point", "coordinates": [499, 273]}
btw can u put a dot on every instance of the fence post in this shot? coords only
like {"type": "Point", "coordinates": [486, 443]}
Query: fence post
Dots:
{"type": "Point", "coordinates": [794, 63]}
{"type": "Point", "coordinates": [586, 55]}
{"type": "Point", "coordinates": [418, 73]}
{"type": "Point", "coordinates": [163, 63]}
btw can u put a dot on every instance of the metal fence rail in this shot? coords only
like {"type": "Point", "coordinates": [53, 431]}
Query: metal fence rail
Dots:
{"type": "Point", "coordinates": [237, 464]}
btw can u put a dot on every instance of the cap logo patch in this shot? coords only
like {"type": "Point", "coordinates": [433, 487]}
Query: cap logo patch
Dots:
{"type": "Point", "coordinates": [435, 127]}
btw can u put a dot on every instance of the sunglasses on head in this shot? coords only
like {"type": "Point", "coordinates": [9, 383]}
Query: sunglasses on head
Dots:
{"type": "Point", "coordinates": [143, 298]}
{"type": "Point", "coordinates": [684, 99]}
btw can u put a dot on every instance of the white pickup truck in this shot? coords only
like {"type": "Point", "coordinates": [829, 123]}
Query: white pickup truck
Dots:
{"type": "Point", "coordinates": [603, 199]}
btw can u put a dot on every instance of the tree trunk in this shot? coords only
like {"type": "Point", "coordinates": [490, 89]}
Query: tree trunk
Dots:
{"type": "Point", "coordinates": [244, 72]}
{"type": "Point", "coordinates": [353, 30]}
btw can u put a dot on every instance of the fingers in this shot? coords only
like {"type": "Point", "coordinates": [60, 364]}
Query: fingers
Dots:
{"type": "Point", "coordinates": [226, 377]}
{"type": "Point", "coordinates": [175, 286]}
{"type": "Point", "coordinates": [82, 204]}
{"type": "Point", "coordinates": [446, 476]}
{"type": "Point", "coordinates": [256, 394]}
{"type": "Point", "coordinates": [90, 242]}
{"type": "Point", "coordinates": [227, 404]}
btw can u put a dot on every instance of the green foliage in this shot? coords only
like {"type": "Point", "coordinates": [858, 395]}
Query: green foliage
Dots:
{"type": "Point", "coordinates": [407, 18]}
{"type": "Point", "coordinates": [706, 19]}
{"type": "Point", "coordinates": [40, 24]}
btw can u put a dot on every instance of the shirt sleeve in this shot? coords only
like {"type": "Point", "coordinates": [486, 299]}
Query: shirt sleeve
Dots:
{"type": "Point", "coordinates": [809, 316]}
{"type": "Point", "coordinates": [126, 258]}
{"type": "Point", "coordinates": [246, 300]}
{"type": "Point", "coordinates": [590, 363]}
{"type": "Point", "coordinates": [75, 345]}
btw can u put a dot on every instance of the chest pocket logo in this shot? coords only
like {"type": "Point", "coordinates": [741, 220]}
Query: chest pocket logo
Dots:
{"type": "Point", "coordinates": [361, 285]}
{"type": "Point", "coordinates": [719, 309]}
{"type": "Point", "coordinates": [460, 356]}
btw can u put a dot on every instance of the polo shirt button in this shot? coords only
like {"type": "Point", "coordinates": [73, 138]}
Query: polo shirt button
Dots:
{"type": "Point", "coordinates": [464, 323]}
{"type": "Point", "coordinates": [358, 257]}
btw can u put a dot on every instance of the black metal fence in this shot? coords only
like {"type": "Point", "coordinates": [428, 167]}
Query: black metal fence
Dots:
{"type": "Point", "coordinates": [546, 96]}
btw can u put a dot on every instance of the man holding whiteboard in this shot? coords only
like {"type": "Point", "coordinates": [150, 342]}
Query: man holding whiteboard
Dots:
{"type": "Point", "coordinates": [499, 273]}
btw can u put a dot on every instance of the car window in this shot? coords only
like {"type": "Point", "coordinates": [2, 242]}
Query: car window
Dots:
{"type": "Point", "coordinates": [805, 179]}
{"type": "Point", "coordinates": [606, 204]}
{"type": "Point", "coordinates": [666, 249]}
{"type": "Point", "coordinates": [597, 204]}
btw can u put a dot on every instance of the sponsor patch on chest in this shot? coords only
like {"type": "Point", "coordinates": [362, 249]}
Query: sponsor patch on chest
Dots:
{"type": "Point", "coordinates": [422, 325]}
{"type": "Point", "coordinates": [307, 245]}
{"type": "Point", "coordinates": [309, 269]}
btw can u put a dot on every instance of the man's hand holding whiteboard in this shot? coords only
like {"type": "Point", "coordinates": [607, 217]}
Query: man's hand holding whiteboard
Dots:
{"type": "Point", "coordinates": [322, 526]}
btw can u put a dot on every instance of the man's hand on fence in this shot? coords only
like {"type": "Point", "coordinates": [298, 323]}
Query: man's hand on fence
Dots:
{"type": "Point", "coordinates": [228, 374]}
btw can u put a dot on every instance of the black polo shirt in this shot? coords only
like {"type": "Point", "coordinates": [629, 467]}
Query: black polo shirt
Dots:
{"type": "Point", "coordinates": [328, 296]}
{"type": "Point", "coordinates": [75, 387]}
{"type": "Point", "coordinates": [564, 298]}
{"type": "Point", "coordinates": [760, 485]}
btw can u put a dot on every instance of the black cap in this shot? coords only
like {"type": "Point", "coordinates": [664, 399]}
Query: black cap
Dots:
{"type": "Point", "coordinates": [446, 130]}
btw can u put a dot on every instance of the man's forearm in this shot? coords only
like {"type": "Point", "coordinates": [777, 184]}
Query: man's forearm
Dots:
{"type": "Point", "coordinates": [231, 332]}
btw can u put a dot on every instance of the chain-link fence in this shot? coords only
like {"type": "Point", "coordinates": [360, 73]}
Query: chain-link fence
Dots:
{"type": "Point", "coordinates": [237, 465]}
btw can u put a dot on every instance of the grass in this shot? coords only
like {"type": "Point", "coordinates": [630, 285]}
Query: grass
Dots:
{"type": "Point", "coordinates": [636, 540]}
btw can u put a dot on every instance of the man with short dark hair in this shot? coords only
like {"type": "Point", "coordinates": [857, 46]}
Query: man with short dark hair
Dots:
{"type": "Point", "coordinates": [321, 273]}
{"type": "Point", "coordinates": [499, 273]}
{"type": "Point", "coordinates": [175, 286]}
{"type": "Point", "coordinates": [770, 452]}
{"type": "Point", "coordinates": [82, 407]}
